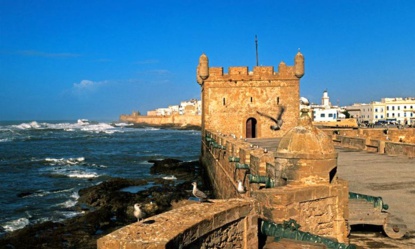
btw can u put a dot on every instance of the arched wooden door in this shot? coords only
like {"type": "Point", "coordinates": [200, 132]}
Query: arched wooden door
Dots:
{"type": "Point", "coordinates": [250, 128]}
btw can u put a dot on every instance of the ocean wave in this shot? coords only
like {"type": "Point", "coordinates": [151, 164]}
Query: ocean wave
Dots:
{"type": "Point", "coordinates": [43, 193]}
{"type": "Point", "coordinates": [122, 124]}
{"type": "Point", "coordinates": [71, 173]}
{"type": "Point", "coordinates": [82, 174]}
{"type": "Point", "coordinates": [13, 225]}
{"type": "Point", "coordinates": [64, 161]}
{"type": "Point", "coordinates": [82, 125]}
{"type": "Point", "coordinates": [25, 126]}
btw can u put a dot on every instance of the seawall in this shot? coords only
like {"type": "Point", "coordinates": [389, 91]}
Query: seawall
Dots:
{"type": "Point", "coordinates": [174, 120]}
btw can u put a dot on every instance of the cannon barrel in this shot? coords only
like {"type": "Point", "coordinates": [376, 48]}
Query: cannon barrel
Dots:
{"type": "Point", "coordinates": [234, 159]}
{"type": "Point", "coordinates": [269, 182]}
{"type": "Point", "coordinates": [377, 201]}
{"type": "Point", "coordinates": [289, 230]}
{"type": "Point", "coordinates": [241, 166]}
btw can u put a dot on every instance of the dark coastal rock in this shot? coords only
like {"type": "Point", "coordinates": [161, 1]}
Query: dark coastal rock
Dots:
{"type": "Point", "coordinates": [106, 208]}
{"type": "Point", "coordinates": [171, 166]}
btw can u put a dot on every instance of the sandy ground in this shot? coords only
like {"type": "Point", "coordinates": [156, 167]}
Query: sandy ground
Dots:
{"type": "Point", "coordinates": [392, 178]}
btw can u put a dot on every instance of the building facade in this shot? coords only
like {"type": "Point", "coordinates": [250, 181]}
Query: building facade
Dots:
{"type": "Point", "coordinates": [191, 107]}
{"type": "Point", "coordinates": [388, 110]}
{"type": "Point", "coordinates": [325, 112]}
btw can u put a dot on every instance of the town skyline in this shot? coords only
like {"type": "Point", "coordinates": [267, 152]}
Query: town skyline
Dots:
{"type": "Point", "coordinates": [97, 60]}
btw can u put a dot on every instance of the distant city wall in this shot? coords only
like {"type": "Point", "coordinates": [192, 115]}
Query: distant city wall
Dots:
{"type": "Point", "coordinates": [175, 119]}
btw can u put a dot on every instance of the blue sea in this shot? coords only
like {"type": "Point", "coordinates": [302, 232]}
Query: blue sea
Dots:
{"type": "Point", "coordinates": [44, 164]}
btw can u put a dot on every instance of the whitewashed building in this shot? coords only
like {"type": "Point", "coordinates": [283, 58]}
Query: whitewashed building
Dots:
{"type": "Point", "coordinates": [191, 107]}
{"type": "Point", "coordinates": [326, 112]}
{"type": "Point", "coordinates": [389, 110]}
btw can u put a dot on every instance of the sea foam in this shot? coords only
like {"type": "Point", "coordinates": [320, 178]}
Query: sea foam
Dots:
{"type": "Point", "coordinates": [13, 225]}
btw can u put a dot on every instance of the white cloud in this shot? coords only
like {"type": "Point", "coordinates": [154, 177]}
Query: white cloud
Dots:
{"type": "Point", "coordinates": [85, 84]}
{"type": "Point", "coordinates": [86, 87]}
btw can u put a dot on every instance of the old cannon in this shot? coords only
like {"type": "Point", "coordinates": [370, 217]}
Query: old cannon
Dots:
{"type": "Point", "coordinates": [371, 210]}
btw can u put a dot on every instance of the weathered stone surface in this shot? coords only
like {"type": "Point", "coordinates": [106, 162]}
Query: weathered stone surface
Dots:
{"type": "Point", "coordinates": [217, 224]}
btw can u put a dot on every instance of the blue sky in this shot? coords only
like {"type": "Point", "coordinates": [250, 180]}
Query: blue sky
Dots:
{"type": "Point", "coordinates": [99, 59]}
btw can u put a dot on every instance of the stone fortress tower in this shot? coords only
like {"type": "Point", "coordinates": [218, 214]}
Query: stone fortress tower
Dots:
{"type": "Point", "coordinates": [297, 179]}
{"type": "Point", "coordinates": [244, 102]}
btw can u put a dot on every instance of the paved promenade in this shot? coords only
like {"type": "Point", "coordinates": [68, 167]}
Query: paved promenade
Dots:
{"type": "Point", "coordinates": [392, 178]}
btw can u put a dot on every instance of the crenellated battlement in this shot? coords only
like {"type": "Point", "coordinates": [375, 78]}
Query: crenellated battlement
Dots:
{"type": "Point", "coordinates": [206, 73]}
{"type": "Point", "coordinates": [258, 73]}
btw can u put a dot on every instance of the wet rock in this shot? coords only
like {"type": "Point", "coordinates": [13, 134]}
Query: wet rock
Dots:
{"type": "Point", "coordinates": [170, 166]}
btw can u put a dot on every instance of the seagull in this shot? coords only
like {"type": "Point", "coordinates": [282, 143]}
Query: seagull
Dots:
{"type": "Point", "coordinates": [198, 194]}
{"type": "Point", "coordinates": [278, 121]}
{"type": "Point", "coordinates": [241, 188]}
{"type": "Point", "coordinates": [138, 213]}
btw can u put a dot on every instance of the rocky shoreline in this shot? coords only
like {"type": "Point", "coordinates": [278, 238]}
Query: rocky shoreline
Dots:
{"type": "Point", "coordinates": [106, 207]}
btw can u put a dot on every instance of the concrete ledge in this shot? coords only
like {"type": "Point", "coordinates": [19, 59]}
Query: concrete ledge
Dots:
{"type": "Point", "coordinates": [182, 226]}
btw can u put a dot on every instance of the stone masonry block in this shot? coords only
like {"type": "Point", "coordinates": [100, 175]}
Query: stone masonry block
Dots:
{"type": "Point", "coordinates": [303, 194]}
{"type": "Point", "coordinates": [204, 227]}
{"type": "Point", "coordinates": [219, 219]}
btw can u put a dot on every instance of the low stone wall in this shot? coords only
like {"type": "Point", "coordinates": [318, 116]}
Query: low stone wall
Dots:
{"type": "Point", "coordinates": [390, 141]}
{"type": "Point", "coordinates": [379, 146]}
{"type": "Point", "coordinates": [396, 149]}
{"type": "Point", "coordinates": [229, 223]}
{"type": "Point", "coordinates": [223, 173]}
{"type": "Point", "coordinates": [180, 120]}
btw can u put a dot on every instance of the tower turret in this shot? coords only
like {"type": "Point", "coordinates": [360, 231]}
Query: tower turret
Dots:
{"type": "Point", "coordinates": [299, 64]}
{"type": "Point", "coordinates": [202, 69]}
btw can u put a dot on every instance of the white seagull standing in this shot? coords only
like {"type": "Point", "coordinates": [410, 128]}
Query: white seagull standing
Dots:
{"type": "Point", "coordinates": [241, 188]}
{"type": "Point", "coordinates": [198, 194]}
{"type": "Point", "coordinates": [138, 213]}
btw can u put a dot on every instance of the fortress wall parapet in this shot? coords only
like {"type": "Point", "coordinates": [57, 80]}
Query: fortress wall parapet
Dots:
{"type": "Point", "coordinates": [383, 141]}
{"type": "Point", "coordinates": [321, 209]}
{"type": "Point", "coordinates": [219, 224]}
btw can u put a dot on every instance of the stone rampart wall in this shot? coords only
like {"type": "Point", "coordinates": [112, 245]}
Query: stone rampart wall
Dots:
{"type": "Point", "coordinates": [320, 209]}
{"type": "Point", "coordinates": [223, 173]}
{"type": "Point", "coordinates": [391, 141]}
{"type": "Point", "coordinates": [379, 146]}
{"type": "Point", "coordinates": [229, 223]}
{"type": "Point", "coordinates": [180, 120]}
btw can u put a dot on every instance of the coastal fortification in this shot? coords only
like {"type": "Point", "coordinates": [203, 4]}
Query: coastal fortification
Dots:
{"type": "Point", "coordinates": [245, 103]}
{"type": "Point", "coordinates": [166, 120]}
{"type": "Point", "coordinates": [272, 172]}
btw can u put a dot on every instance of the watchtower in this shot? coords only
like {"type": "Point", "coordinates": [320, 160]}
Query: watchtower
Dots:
{"type": "Point", "coordinates": [247, 103]}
